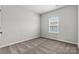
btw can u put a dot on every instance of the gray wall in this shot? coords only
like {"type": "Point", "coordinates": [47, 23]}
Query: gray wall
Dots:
{"type": "Point", "coordinates": [0, 17]}
{"type": "Point", "coordinates": [67, 24]}
{"type": "Point", "coordinates": [0, 22]}
{"type": "Point", "coordinates": [78, 26]}
{"type": "Point", "coordinates": [18, 24]}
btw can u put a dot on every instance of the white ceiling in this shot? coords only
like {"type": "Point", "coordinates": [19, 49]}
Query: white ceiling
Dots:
{"type": "Point", "coordinates": [42, 8]}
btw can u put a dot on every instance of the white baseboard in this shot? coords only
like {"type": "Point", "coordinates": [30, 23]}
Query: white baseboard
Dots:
{"type": "Point", "coordinates": [34, 38]}
{"type": "Point", "coordinates": [62, 40]}
{"type": "Point", "coordinates": [78, 46]}
{"type": "Point", "coordinates": [68, 42]}
{"type": "Point", "coordinates": [18, 42]}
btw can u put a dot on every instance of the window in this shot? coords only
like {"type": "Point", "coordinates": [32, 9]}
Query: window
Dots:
{"type": "Point", "coordinates": [54, 24]}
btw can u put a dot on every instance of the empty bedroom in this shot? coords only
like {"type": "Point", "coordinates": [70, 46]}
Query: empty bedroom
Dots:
{"type": "Point", "coordinates": [39, 29]}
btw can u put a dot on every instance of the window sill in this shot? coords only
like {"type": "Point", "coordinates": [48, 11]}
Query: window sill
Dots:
{"type": "Point", "coordinates": [54, 32]}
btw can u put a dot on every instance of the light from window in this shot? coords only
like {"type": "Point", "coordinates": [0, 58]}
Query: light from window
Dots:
{"type": "Point", "coordinates": [54, 24]}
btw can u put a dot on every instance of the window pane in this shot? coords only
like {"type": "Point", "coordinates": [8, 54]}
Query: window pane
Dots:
{"type": "Point", "coordinates": [53, 28]}
{"type": "Point", "coordinates": [53, 24]}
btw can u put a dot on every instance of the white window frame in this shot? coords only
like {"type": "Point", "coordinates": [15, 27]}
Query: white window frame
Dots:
{"type": "Point", "coordinates": [53, 19]}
